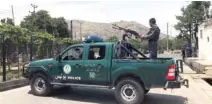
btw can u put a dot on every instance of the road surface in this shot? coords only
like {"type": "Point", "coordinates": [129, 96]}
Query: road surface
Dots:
{"type": "Point", "coordinates": [199, 93]}
{"type": "Point", "coordinates": [81, 96]}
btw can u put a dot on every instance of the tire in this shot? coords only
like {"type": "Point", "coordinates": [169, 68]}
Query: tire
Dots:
{"type": "Point", "coordinates": [38, 81]}
{"type": "Point", "coordinates": [129, 84]}
{"type": "Point", "coordinates": [146, 91]}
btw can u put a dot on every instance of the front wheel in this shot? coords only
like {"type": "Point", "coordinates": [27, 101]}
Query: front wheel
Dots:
{"type": "Point", "coordinates": [129, 91]}
{"type": "Point", "coordinates": [146, 91]}
{"type": "Point", "coordinates": [40, 86]}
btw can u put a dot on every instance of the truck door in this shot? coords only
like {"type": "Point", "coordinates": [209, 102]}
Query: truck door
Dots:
{"type": "Point", "coordinates": [71, 65]}
{"type": "Point", "coordinates": [97, 65]}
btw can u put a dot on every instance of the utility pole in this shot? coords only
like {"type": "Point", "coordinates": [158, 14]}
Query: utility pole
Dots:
{"type": "Point", "coordinates": [167, 36]}
{"type": "Point", "coordinates": [31, 45]}
{"type": "Point", "coordinates": [80, 31]}
{"type": "Point", "coordinates": [71, 28]}
{"type": "Point", "coordinates": [13, 15]}
{"type": "Point", "coordinates": [3, 56]}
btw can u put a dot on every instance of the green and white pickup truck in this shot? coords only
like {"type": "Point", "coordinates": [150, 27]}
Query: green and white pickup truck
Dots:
{"type": "Point", "coordinates": [95, 65]}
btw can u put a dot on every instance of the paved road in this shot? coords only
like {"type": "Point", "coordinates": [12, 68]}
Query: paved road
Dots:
{"type": "Point", "coordinates": [198, 93]}
{"type": "Point", "coordinates": [80, 96]}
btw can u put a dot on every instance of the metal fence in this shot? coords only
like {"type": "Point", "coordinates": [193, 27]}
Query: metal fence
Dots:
{"type": "Point", "coordinates": [17, 55]}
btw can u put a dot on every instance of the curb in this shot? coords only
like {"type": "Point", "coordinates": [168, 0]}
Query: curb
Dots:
{"type": "Point", "coordinates": [12, 84]}
{"type": "Point", "coordinates": [194, 65]}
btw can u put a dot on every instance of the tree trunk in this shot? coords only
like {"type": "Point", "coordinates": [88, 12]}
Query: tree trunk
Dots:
{"type": "Point", "coordinates": [196, 38]}
{"type": "Point", "coordinates": [191, 38]}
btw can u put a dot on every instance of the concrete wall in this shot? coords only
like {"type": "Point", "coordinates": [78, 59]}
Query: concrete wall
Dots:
{"type": "Point", "coordinates": [205, 42]}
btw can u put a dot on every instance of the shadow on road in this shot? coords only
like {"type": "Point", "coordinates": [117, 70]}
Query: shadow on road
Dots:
{"type": "Point", "coordinates": [91, 95]}
{"type": "Point", "coordinates": [154, 98]}
{"type": "Point", "coordinates": [105, 96]}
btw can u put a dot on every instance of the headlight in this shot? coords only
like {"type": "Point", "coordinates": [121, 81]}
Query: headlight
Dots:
{"type": "Point", "coordinates": [26, 65]}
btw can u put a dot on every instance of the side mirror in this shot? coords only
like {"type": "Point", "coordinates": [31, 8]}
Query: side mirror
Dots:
{"type": "Point", "coordinates": [59, 58]}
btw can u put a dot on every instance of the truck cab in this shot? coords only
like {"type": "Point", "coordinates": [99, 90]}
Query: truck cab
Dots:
{"type": "Point", "coordinates": [84, 64]}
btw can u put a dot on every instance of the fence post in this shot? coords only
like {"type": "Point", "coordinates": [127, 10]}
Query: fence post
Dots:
{"type": "Point", "coordinates": [179, 64]}
{"type": "Point", "coordinates": [3, 57]}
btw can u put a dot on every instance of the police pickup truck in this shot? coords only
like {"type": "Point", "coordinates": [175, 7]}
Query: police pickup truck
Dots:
{"type": "Point", "coordinates": [97, 64]}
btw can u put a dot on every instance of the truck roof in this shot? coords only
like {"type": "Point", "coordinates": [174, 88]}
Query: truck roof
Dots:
{"type": "Point", "coordinates": [97, 43]}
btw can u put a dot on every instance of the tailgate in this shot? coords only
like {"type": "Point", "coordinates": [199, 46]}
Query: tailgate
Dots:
{"type": "Point", "coordinates": [178, 80]}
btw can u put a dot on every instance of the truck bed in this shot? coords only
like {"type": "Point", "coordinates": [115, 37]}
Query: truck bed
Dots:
{"type": "Point", "coordinates": [151, 71]}
{"type": "Point", "coordinates": [146, 59]}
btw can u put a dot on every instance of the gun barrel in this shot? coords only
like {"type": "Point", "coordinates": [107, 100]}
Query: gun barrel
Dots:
{"type": "Point", "coordinates": [119, 27]}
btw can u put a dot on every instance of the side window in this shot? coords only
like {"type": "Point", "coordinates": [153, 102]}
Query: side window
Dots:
{"type": "Point", "coordinates": [74, 53]}
{"type": "Point", "coordinates": [96, 53]}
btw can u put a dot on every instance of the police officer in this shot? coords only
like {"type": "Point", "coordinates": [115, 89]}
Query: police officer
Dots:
{"type": "Point", "coordinates": [152, 36]}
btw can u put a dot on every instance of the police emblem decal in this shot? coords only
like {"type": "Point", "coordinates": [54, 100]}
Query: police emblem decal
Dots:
{"type": "Point", "coordinates": [67, 69]}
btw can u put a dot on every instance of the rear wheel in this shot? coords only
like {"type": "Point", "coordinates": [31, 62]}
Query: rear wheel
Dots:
{"type": "Point", "coordinates": [129, 91]}
{"type": "Point", "coordinates": [40, 86]}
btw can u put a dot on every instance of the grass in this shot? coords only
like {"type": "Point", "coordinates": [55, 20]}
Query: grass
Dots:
{"type": "Point", "coordinates": [12, 74]}
{"type": "Point", "coordinates": [16, 64]}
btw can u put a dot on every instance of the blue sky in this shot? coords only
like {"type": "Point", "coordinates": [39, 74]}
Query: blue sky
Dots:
{"type": "Point", "coordinates": [102, 11]}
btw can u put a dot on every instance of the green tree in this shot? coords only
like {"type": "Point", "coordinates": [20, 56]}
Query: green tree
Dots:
{"type": "Point", "coordinates": [42, 21]}
{"type": "Point", "coordinates": [14, 36]}
{"type": "Point", "coordinates": [196, 11]}
{"type": "Point", "coordinates": [141, 45]}
{"type": "Point", "coordinates": [60, 26]}
{"type": "Point", "coordinates": [15, 33]}
{"type": "Point", "coordinates": [112, 39]}
{"type": "Point", "coordinates": [7, 21]}
{"type": "Point", "coordinates": [178, 43]}
{"type": "Point", "coordinates": [162, 44]}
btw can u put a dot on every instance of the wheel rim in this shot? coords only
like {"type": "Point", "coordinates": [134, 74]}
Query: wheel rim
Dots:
{"type": "Point", "coordinates": [128, 92]}
{"type": "Point", "coordinates": [40, 84]}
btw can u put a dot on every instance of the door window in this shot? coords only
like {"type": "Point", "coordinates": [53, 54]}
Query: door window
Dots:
{"type": "Point", "coordinates": [74, 53]}
{"type": "Point", "coordinates": [96, 53]}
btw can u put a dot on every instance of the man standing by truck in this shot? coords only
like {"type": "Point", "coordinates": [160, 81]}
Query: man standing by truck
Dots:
{"type": "Point", "coordinates": [152, 36]}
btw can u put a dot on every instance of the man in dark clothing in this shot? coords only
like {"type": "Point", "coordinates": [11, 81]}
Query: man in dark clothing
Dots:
{"type": "Point", "coordinates": [183, 54]}
{"type": "Point", "coordinates": [152, 36]}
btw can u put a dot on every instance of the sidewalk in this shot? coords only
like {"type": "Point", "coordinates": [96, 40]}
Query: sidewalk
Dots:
{"type": "Point", "coordinates": [199, 92]}
{"type": "Point", "coordinates": [203, 90]}
{"type": "Point", "coordinates": [200, 66]}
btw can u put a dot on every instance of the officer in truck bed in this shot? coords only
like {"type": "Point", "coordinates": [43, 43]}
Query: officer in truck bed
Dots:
{"type": "Point", "coordinates": [152, 36]}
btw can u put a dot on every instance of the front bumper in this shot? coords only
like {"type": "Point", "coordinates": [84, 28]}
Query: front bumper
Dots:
{"type": "Point", "coordinates": [25, 71]}
{"type": "Point", "coordinates": [177, 84]}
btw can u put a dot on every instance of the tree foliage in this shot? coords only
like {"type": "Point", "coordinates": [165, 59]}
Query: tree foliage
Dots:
{"type": "Point", "coordinates": [7, 21]}
{"type": "Point", "coordinates": [60, 27]}
{"type": "Point", "coordinates": [15, 33]}
{"type": "Point", "coordinates": [174, 44]}
{"type": "Point", "coordinates": [112, 39]}
{"type": "Point", "coordinates": [196, 11]}
{"type": "Point", "coordinates": [42, 21]}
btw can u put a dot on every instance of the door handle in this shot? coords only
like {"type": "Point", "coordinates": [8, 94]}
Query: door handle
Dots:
{"type": "Point", "coordinates": [99, 66]}
{"type": "Point", "coordinates": [77, 65]}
